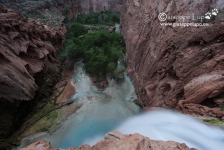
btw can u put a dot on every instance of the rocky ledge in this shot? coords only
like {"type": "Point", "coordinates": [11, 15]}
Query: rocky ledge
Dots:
{"type": "Point", "coordinates": [27, 60]}
{"type": "Point", "coordinates": [117, 141]}
{"type": "Point", "coordinates": [49, 11]}
{"type": "Point", "coordinates": [27, 48]}
{"type": "Point", "coordinates": [45, 11]}
{"type": "Point", "coordinates": [176, 67]}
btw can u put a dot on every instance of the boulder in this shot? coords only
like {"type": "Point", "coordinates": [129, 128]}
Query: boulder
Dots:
{"type": "Point", "coordinates": [117, 141]}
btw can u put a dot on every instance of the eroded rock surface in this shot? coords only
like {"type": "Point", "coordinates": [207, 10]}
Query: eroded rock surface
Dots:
{"type": "Point", "coordinates": [49, 11]}
{"type": "Point", "coordinates": [27, 53]}
{"type": "Point", "coordinates": [117, 141]}
{"type": "Point", "coordinates": [45, 11]}
{"type": "Point", "coordinates": [91, 6]}
{"type": "Point", "coordinates": [175, 67]}
{"type": "Point", "coordinates": [41, 145]}
{"type": "Point", "coordinates": [27, 48]}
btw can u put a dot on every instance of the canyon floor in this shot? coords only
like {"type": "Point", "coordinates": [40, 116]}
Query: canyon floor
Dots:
{"type": "Point", "coordinates": [168, 67]}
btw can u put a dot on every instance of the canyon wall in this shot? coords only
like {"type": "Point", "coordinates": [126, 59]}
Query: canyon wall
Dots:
{"type": "Point", "coordinates": [45, 11]}
{"type": "Point", "coordinates": [49, 11]}
{"type": "Point", "coordinates": [27, 54]}
{"type": "Point", "coordinates": [91, 6]}
{"type": "Point", "coordinates": [175, 67]}
{"type": "Point", "coordinates": [27, 47]}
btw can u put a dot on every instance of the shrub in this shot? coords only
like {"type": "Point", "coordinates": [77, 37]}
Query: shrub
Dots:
{"type": "Point", "coordinates": [105, 18]}
{"type": "Point", "coordinates": [222, 106]}
{"type": "Point", "coordinates": [111, 66]}
{"type": "Point", "coordinates": [213, 121]}
{"type": "Point", "coordinates": [65, 12]}
{"type": "Point", "coordinates": [116, 18]}
{"type": "Point", "coordinates": [75, 29]}
{"type": "Point", "coordinates": [100, 50]}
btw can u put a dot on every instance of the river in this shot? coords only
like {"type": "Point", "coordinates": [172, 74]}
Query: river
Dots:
{"type": "Point", "coordinates": [104, 111]}
{"type": "Point", "coordinates": [101, 112]}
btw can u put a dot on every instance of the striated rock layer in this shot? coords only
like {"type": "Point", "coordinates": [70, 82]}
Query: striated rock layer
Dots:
{"type": "Point", "coordinates": [175, 67]}
{"type": "Point", "coordinates": [27, 51]}
{"type": "Point", "coordinates": [117, 141]}
{"type": "Point", "coordinates": [45, 11]}
{"type": "Point", "coordinates": [91, 6]}
{"type": "Point", "coordinates": [48, 11]}
{"type": "Point", "coordinates": [26, 48]}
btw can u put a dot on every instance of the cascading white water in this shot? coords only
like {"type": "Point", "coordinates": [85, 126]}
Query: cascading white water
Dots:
{"type": "Point", "coordinates": [103, 112]}
{"type": "Point", "coordinates": [117, 27]}
{"type": "Point", "coordinates": [168, 125]}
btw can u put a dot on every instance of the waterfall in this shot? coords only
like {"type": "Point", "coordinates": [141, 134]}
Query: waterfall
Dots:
{"type": "Point", "coordinates": [104, 111]}
{"type": "Point", "coordinates": [168, 125]}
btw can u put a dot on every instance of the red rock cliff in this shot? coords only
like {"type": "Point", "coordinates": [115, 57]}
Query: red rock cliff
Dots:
{"type": "Point", "coordinates": [27, 54]}
{"type": "Point", "coordinates": [26, 48]}
{"type": "Point", "coordinates": [47, 11]}
{"type": "Point", "coordinates": [175, 67]}
{"type": "Point", "coordinates": [91, 6]}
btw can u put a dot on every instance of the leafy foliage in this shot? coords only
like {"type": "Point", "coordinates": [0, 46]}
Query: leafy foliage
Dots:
{"type": "Point", "coordinates": [222, 106]}
{"type": "Point", "coordinates": [213, 121]}
{"type": "Point", "coordinates": [105, 18]}
{"type": "Point", "coordinates": [65, 12]}
{"type": "Point", "coordinates": [75, 29]}
{"type": "Point", "coordinates": [100, 50]}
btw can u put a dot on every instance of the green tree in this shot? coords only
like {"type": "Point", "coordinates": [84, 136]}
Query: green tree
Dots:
{"type": "Point", "coordinates": [65, 12]}
{"type": "Point", "coordinates": [100, 50]}
{"type": "Point", "coordinates": [116, 18]}
{"type": "Point", "coordinates": [105, 18]}
{"type": "Point", "coordinates": [77, 29]}
{"type": "Point", "coordinates": [111, 66]}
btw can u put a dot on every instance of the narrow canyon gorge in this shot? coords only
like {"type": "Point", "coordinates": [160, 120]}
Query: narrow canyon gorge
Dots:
{"type": "Point", "coordinates": [175, 68]}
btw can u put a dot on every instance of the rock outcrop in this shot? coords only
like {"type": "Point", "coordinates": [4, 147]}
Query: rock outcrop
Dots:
{"type": "Point", "coordinates": [49, 11]}
{"type": "Point", "coordinates": [27, 48]}
{"type": "Point", "coordinates": [41, 145]}
{"type": "Point", "coordinates": [45, 11]}
{"type": "Point", "coordinates": [27, 53]}
{"type": "Point", "coordinates": [117, 141]}
{"type": "Point", "coordinates": [175, 67]}
{"type": "Point", "coordinates": [91, 6]}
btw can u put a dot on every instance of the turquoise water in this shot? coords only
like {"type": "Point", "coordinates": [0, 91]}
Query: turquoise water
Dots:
{"type": "Point", "coordinates": [87, 130]}
{"type": "Point", "coordinates": [104, 111]}
{"type": "Point", "coordinates": [101, 112]}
